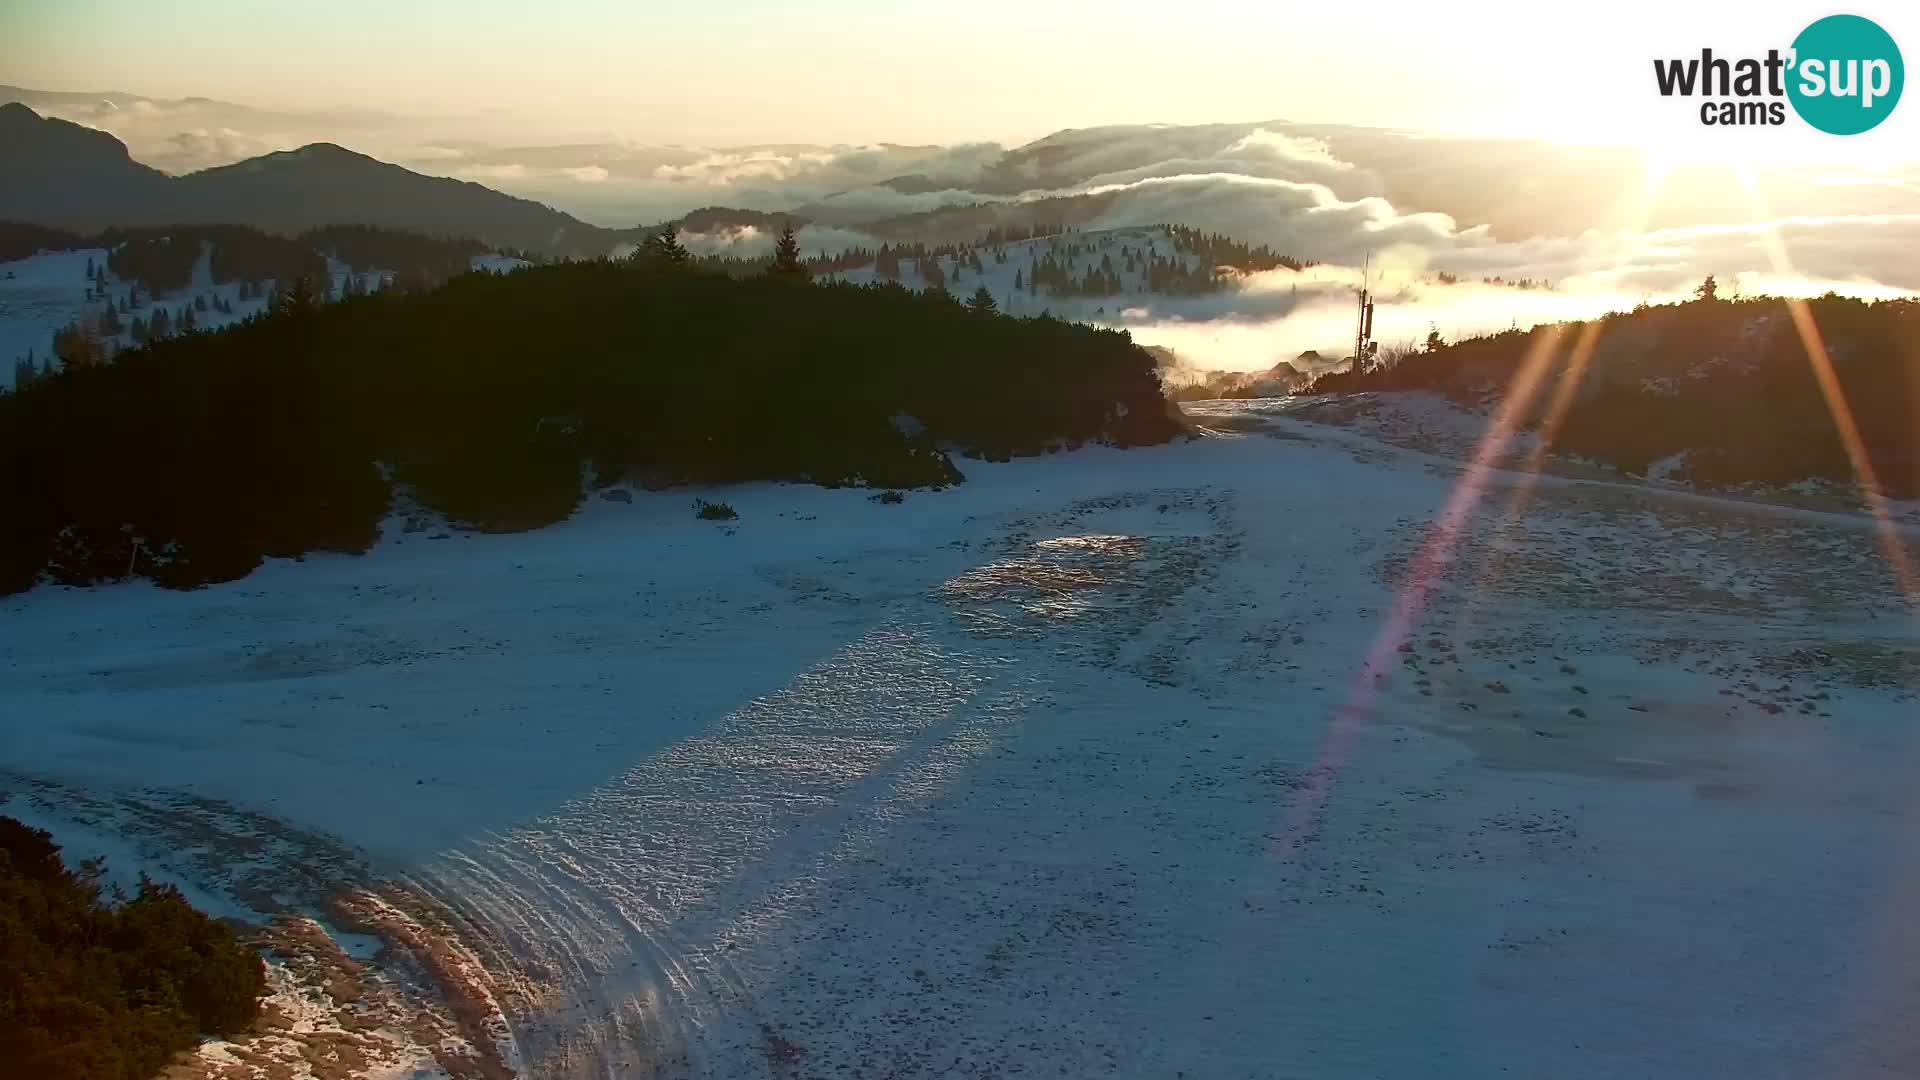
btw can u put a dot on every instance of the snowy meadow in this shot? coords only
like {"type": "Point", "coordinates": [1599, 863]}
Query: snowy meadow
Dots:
{"type": "Point", "coordinates": [1280, 751]}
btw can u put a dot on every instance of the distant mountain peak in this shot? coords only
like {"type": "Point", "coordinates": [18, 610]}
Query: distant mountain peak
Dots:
{"type": "Point", "coordinates": [57, 171]}
{"type": "Point", "coordinates": [315, 153]}
{"type": "Point", "coordinates": [43, 143]}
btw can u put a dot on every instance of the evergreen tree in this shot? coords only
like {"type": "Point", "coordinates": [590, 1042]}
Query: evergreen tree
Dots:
{"type": "Point", "coordinates": [981, 302]}
{"type": "Point", "coordinates": [110, 323]}
{"type": "Point", "coordinates": [663, 248]}
{"type": "Point", "coordinates": [786, 256]}
{"type": "Point", "coordinates": [199, 302]}
{"type": "Point", "coordinates": [160, 325]}
{"type": "Point", "coordinates": [90, 275]}
{"type": "Point", "coordinates": [1017, 286]}
{"type": "Point", "coordinates": [186, 323]}
{"type": "Point", "coordinates": [299, 299]}
{"type": "Point", "coordinates": [1707, 291]}
{"type": "Point", "coordinates": [77, 346]}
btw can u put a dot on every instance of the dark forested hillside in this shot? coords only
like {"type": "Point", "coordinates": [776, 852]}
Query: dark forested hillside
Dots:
{"type": "Point", "coordinates": [1724, 390]}
{"type": "Point", "coordinates": [487, 398]}
{"type": "Point", "coordinates": [19, 240]}
{"type": "Point", "coordinates": [411, 257]}
{"type": "Point", "coordinates": [163, 259]}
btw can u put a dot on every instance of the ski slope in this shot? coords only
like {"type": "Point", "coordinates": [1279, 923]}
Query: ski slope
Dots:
{"type": "Point", "coordinates": [1261, 754]}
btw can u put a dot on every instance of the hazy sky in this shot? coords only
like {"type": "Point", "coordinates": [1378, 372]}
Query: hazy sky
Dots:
{"type": "Point", "coordinates": [720, 71]}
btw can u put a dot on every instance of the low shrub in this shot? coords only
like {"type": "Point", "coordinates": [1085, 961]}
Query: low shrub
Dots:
{"type": "Point", "coordinates": [108, 988]}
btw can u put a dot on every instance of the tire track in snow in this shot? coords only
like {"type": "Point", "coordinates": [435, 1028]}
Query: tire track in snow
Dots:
{"type": "Point", "coordinates": [612, 926]}
{"type": "Point", "coordinates": [614, 914]}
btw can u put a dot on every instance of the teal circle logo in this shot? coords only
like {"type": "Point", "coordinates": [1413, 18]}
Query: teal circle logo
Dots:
{"type": "Point", "coordinates": [1847, 74]}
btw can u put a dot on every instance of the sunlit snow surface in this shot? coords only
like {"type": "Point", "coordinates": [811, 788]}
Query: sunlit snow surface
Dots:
{"type": "Point", "coordinates": [995, 782]}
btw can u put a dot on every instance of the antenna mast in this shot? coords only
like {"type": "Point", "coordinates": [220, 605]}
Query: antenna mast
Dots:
{"type": "Point", "coordinates": [1363, 344]}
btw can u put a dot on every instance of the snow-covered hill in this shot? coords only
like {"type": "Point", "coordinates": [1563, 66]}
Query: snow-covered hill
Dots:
{"type": "Point", "coordinates": [1007, 270]}
{"type": "Point", "coordinates": [43, 293]}
{"type": "Point", "coordinates": [1076, 273]}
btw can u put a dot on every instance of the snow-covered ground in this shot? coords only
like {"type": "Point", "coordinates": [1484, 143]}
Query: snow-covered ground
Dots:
{"type": "Point", "coordinates": [42, 293]}
{"type": "Point", "coordinates": [1078, 252]}
{"type": "Point", "coordinates": [497, 264]}
{"type": "Point", "coordinates": [1269, 753]}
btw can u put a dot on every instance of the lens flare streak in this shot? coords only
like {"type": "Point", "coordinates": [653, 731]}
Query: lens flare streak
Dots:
{"type": "Point", "coordinates": [1423, 575]}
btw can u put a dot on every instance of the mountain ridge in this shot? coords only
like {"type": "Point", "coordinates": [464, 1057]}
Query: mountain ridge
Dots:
{"type": "Point", "coordinates": [76, 177]}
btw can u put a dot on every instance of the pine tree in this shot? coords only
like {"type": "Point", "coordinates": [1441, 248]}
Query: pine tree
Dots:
{"type": "Point", "coordinates": [981, 303]}
{"type": "Point", "coordinates": [786, 256]}
{"type": "Point", "coordinates": [90, 275]}
{"type": "Point", "coordinates": [186, 323]}
{"type": "Point", "coordinates": [299, 299]}
{"type": "Point", "coordinates": [200, 302]}
{"type": "Point", "coordinates": [663, 249]}
{"type": "Point", "coordinates": [160, 325]}
{"type": "Point", "coordinates": [1017, 286]}
{"type": "Point", "coordinates": [76, 346]}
